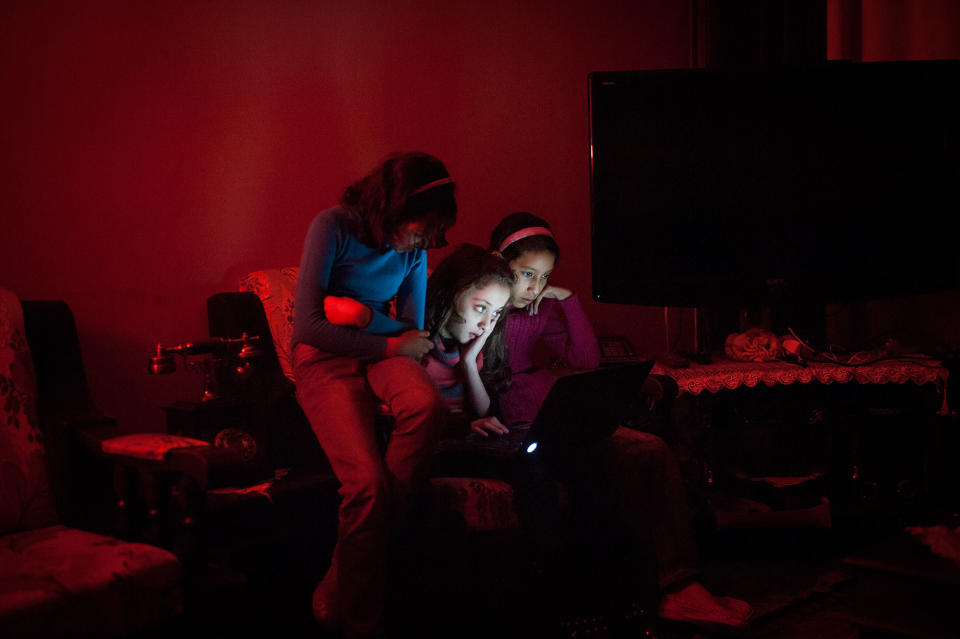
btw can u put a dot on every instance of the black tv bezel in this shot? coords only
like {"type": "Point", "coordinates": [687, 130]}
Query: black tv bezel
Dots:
{"type": "Point", "coordinates": [760, 289]}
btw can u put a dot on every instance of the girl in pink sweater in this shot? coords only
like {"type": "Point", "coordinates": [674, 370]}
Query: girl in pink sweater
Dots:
{"type": "Point", "coordinates": [631, 480]}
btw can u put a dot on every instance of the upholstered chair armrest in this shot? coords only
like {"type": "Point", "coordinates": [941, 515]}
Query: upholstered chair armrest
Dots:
{"type": "Point", "coordinates": [80, 475]}
{"type": "Point", "coordinates": [88, 430]}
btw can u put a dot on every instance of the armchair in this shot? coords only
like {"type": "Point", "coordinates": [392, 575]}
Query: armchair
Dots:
{"type": "Point", "coordinates": [57, 576]}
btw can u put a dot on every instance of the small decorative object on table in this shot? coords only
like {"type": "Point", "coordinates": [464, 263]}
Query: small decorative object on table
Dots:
{"type": "Point", "coordinates": [753, 345]}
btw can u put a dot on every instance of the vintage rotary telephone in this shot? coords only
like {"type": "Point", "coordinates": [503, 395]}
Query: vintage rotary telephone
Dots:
{"type": "Point", "coordinates": [229, 358]}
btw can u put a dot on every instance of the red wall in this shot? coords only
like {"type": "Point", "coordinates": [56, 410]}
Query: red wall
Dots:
{"type": "Point", "coordinates": [154, 153]}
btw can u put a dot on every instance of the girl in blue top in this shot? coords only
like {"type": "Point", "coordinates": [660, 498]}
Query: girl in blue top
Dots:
{"type": "Point", "coordinates": [350, 355]}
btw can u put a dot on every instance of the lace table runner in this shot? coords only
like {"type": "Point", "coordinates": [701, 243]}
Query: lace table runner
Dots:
{"type": "Point", "coordinates": [731, 374]}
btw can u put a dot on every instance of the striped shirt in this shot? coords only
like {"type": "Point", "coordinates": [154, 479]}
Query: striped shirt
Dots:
{"type": "Point", "coordinates": [442, 365]}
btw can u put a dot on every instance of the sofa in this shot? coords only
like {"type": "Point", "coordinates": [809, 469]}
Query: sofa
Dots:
{"type": "Point", "coordinates": [60, 574]}
{"type": "Point", "coordinates": [476, 535]}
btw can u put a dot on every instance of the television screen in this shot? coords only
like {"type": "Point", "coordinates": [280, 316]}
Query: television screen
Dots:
{"type": "Point", "coordinates": [832, 183]}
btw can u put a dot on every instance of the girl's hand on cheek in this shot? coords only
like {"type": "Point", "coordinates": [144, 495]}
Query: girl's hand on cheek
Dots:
{"type": "Point", "coordinates": [473, 349]}
{"type": "Point", "coordinates": [486, 425]}
{"type": "Point", "coordinates": [549, 292]}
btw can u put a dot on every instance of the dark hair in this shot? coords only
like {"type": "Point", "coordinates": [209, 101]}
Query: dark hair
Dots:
{"type": "Point", "coordinates": [515, 222]}
{"type": "Point", "coordinates": [467, 267]}
{"type": "Point", "coordinates": [386, 198]}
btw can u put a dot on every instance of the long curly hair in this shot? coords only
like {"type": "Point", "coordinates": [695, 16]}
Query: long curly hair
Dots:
{"type": "Point", "coordinates": [471, 266]}
{"type": "Point", "coordinates": [386, 198]}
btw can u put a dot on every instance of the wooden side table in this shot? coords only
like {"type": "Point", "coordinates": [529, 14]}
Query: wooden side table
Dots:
{"type": "Point", "coordinates": [161, 483]}
{"type": "Point", "coordinates": [224, 422]}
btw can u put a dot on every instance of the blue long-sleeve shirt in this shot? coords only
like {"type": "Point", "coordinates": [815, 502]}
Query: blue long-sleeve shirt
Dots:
{"type": "Point", "coordinates": [335, 262]}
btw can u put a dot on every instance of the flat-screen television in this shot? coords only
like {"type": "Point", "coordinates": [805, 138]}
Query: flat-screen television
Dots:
{"type": "Point", "coordinates": [833, 183]}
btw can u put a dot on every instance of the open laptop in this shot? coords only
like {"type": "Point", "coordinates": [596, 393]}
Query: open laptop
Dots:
{"type": "Point", "coordinates": [585, 407]}
{"type": "Point", "coordinates": [580, 408]}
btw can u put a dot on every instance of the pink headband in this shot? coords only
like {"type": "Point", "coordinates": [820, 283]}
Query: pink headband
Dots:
{"type": "Point", "coordinates": [430, 185]}
{"type": "Point", "coordinates": [522, 233]}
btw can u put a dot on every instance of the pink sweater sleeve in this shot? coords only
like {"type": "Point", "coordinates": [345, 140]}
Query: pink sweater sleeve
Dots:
{"type": "Point", "coordinates": [569, 335]}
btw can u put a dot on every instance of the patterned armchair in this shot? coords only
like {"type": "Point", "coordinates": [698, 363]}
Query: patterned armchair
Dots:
{"type": "Point", "coordinates": [56, 579]}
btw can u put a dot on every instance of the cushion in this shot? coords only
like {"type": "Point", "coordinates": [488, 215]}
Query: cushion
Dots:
{"type": "Point", "coordinates": [26, 500]}
{"type": "Point", "coordinates": [148, 445]}
{"type": "Point", "coordinates": [276, 289]}
{"type": "Point", "coordinates": [59, 581]}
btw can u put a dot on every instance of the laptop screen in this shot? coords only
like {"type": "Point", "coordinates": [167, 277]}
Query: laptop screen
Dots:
{"type": "Point", "coordinates": [585, 407]}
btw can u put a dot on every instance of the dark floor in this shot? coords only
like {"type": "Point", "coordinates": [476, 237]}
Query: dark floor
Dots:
{"type": "Point", "coordinates": [798, 588]}
{"type": "Point", "coordinates": [795, 578]}
{"type": "Point", "coordinates": [797, 585]}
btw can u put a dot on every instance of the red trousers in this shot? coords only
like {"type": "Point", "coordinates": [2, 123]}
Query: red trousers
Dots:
{"type": "Point", "coordinates": [341, 397]}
